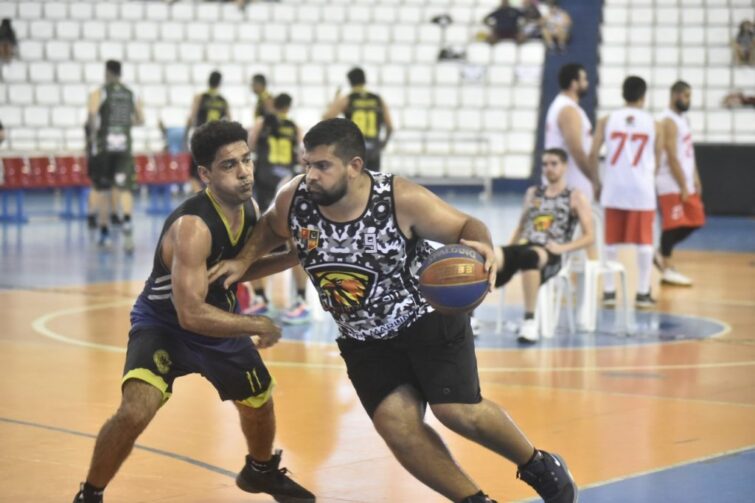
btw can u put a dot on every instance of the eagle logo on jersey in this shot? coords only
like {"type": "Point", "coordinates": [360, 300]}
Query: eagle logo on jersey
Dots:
{"type": "Point", "coordinates": [310, 237]}
{"type": "Point", "coordinates": [542, 223]}
{"type": "Point", "coordinates": [343, 287]}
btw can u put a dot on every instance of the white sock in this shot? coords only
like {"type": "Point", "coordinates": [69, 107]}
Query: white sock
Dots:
{"type": "Point", "coordinates": [644, 268]}
{"type": "Point", "coordinates": [609, 282]}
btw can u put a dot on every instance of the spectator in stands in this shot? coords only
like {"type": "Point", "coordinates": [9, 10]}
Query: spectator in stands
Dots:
{"type": "Point", "coordinates": [549, 217]}
{"type": "Point", "coordinates": [264, 105]}
{"type": "Point", "coordinates": [530, 22]}
{"type": "Point", "coordinates": [744, 44]}
{"type": "Point", "coordinates": [208, 106]}
{"type": "Point", "coordinates": [369, 112]}
{"type": "Point", "coordinates": [8, 42]}
{"type": "Point", "coordinates": [556, 27]}
{"type": "Point", "coordinates": [113, 110]}
{"type": "Point", "coordinates": [504, 23]}
{"type": "Point", "coordinates": [737, 99]}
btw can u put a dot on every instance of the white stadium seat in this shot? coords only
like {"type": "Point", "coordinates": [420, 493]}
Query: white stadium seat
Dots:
{"type": "Point", "coordinates": [133, 11]}
{"type": "Point", "coordinates": [38, 72]}
{"type": "Point", "coordinates": [42, 30]}
{"type": "Point", "coordinates": [21, 94]}
{"type": "Point", "coordinates": [81, 10]}
{"type": "Point", "coordinates": [147, 31]}
{"type": "Point", "coordinates": [36, 116]}
{"type": "Point", "coordinates": [223, 32]}
{"type": "Point", "coordinates": [30, 10]}
{"type": "Point", "coordinates": [182, 11]}
{"type": "Point", "coordinates": [68, 30]}
{"type": "Point", "coordinates": [166, 52]}
{"type": "Point", "coordinates": [157, 11]}
{"type": "Point", "coordinates": [74, 94]}
{"type": "Point", "coordinates": [111, 50]}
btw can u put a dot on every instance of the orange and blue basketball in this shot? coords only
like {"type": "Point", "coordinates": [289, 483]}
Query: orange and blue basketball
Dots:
{"type": "Point", "coordinates": [453, 279]}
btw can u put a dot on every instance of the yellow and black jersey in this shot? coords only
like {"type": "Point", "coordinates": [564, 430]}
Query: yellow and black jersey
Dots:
{"type": "Point", "coordinates": [212, 107]}
{"type": "Point", "coordinates": [366, 111]}
{"type": "Point", "coordinates": [277, 143]}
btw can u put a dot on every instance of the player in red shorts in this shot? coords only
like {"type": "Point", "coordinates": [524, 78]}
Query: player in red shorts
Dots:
{"type": "Point", "coordinates": [678, 184]}
{"type": "Point", "coordinates": [628, 195]}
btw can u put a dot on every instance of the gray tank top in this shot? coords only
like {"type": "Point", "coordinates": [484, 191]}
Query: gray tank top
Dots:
{"type": "Point", "coordinates": [549, 218]}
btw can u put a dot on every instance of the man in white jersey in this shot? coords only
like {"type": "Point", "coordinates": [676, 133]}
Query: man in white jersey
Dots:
{"type": "Point", "coordinates": [362, 238]}
{"type": "Point", "coordinates": [628, 196]}
{"type": "Point", "coordinates": [678, 184]}
{"type": "Point", "coordinates": [567, 127]}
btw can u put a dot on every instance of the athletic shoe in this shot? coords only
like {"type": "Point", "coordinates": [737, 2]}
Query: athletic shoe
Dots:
{"type": "Point", "coordinates": [258, 306]}
{"type": "Point", "coordinates": [547, 474]}
{"type": "Point", "coordinates": [609, 299]}
{"type": "Point", "coordinates": [297, 314]}
{"type": "Point", "coordinates": [478, 498]}
{"type": "Point", "coordinates": [673, 277]}
{"type": "Point", "coordinates": [273, 481]}
{"type": "Point", "coordinates": [93, 498]}
{"type": "Point", "coordinates": [528, 332]}
{"type": "Point", "coordinates": [105, 243]}
{"type": "Point", "coordinates": [644, 301]}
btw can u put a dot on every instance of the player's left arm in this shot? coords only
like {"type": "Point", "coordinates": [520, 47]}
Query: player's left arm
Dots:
{"type": "Point", "coordinates": [388, 122]}
{"type": "Point", "coordinates": [254, 134]}
{"type": "Point", "coordinates": [137, 119]}
{"type": "Point", "coordinates": [422, 214]}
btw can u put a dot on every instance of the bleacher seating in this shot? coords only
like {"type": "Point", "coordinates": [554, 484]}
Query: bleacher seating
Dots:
{"type": "Point", "coordinates": [304, 48]}
{"type": "Point", "coordinates": [666, 40]}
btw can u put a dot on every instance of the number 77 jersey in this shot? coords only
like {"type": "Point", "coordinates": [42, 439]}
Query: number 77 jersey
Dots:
{"type": "Point", "coordinates": [629, 174]}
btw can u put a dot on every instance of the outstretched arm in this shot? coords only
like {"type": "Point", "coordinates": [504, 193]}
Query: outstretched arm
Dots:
{"type": "Point", "coordinates": [581, 206]}
{"type": "Point", "coordinates": [185, 249]}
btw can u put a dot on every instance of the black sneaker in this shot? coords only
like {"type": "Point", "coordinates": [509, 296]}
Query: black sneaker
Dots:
{"type": "Point", "coordinates": [274, 482]}
{"type": "Point", "coordinates": [644, 301]}
{"type": "Point", "coordinates": [478, 498]}
{"type": "Point", "coordinates": [609, 299]}
{"type": "Point", "coordinates": [82, 497]}
{"type": "Point", "coordinates": [547, 474]}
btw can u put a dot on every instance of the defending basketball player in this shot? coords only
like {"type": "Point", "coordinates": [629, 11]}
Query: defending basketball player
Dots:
{"type": "Point", "coordinates": [361, 237]}
{"type": "Point", "coordinates": [633, 147]}
{"type": "Point", "coordinates": [678, 184]}
{"type": "Point", "coordinates": [544, 234]}
{"type": "Point", "coordinates": [183, 324]}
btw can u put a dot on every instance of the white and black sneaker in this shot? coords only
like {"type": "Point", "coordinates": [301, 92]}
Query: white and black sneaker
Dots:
{"type": "Point", "coordinates": [644, 301]}
{"type": "Point", "coordinates": [609, 299]}
{"type": "Point", "coordinates": [547, 474]}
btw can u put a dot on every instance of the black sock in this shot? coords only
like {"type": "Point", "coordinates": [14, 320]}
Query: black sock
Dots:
{"type": "Point", "coordinates": [104, 230]}
{"type": "Point", "coordinates": [529, 316]}
{"type": "Point", "coordinates": [478, 494]}
{"type": "Point", "coordinates": [92, 493]}
{"type": "Point", "coordinates": [260, 466]}
{"type": "Point", "coordinates": [301, 293]}
{"type": "Point", "coordinates": [92, 221]}
{"type": "Point", "coordinates": [260, 292]}
{"type": "Point", "coordinates": [126, 218]}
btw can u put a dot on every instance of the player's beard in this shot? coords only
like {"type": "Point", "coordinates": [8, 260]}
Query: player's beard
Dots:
{"type": "Point", "coordinates": [681, 106]}
{"type": "Point", "coordinates": [325, 198]}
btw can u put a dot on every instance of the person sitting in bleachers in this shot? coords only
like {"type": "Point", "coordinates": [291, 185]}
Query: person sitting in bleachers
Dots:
{"type": "Point", "coordinates": [530, 22]}
{"type": "Point", "coordinates": [8, 42]}
{"type": "Point", "coordinates": [556, 27]}
{"type": "Point", "coordinates": [504, 23]}
{"type": "Point", "coordinates": [744, 44]}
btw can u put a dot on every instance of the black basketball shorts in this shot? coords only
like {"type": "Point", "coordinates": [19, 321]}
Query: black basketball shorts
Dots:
{"type": "Point", "coordinates": [158, 356]}
{"type": "Point", "coordinates": [435, 355]}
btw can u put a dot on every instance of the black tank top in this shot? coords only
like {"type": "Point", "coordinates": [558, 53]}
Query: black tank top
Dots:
{"type": "Point", "coordinates": [277, 143]}
{"type": "Point", "coordinates": [212, 107]}
{"type": "Point", "coordinates": [366, 111]}
{"type": "Point", "coordinates": [155, 304]}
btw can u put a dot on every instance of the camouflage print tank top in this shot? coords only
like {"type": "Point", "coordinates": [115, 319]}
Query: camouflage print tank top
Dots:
{"type": "Point", "coordinates": [549, 218]}
{"type": "Point", "coordinates": [365, 271]}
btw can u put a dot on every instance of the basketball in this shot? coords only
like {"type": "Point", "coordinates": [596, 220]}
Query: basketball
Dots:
{"type": "Point", "coordinates": [453, 279]}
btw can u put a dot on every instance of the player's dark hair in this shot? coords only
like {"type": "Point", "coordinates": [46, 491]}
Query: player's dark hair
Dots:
{"type": "Point", "coordinates": [259, 79]}
{"type": "Point", "coordinates": [356, 77]}
{"type": "Point", "coordinates": [113, 67]}
{"type": "Point", "coordinates": [343, 134]}
{"type": "Point", "coordinates": [633, 89]}
{"type": "Point", "coordinates": [214, 80]}
{"type": "Point", "coordinates": [558, 152]}
{"type": "Point", "coordinates": [679, 86]}
{"type": "Point", "coordinates": [568, 74]}
{"type": "Point", "coordinates": [210, 137]}
{"type": "Point", "coordinates": [282, 101]}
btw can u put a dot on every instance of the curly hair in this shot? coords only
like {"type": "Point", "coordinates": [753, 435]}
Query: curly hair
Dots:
{"type": "Point", "coordinates": [210, 137]}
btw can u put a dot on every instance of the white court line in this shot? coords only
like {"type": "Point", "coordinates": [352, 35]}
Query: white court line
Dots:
{"type": "Point", "coordinates": [39, 325]}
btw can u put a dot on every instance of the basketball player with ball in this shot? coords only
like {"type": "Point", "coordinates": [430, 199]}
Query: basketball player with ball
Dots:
{"type": "Point", "coordinates": [361, 237]}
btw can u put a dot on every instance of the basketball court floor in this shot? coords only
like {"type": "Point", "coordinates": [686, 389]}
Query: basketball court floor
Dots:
{"type": "Point", "coordinates": [664, 415]}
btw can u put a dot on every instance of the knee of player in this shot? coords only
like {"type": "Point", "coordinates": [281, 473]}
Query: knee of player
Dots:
{"type": "Point", "coordinates": [135, 416]}
{"type": "Point", "coordinates": [453, 415]}
{"type": "Point", "coordinates": [532, 258]}
{"type": "Point", "coordinates": [261, 401]}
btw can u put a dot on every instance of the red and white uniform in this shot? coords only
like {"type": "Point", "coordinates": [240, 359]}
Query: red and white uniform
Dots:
{"type": "Point", "coordinates": [554, 139]}
{"type": "Point", "coordinates": [675, 212]}
{"type": "Point", "coordinates": [629, 177]}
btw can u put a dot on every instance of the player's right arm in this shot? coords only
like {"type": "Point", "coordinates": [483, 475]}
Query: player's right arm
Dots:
{"type": "Point", "coordinates": [388, 122]}
{"type": "Point", "coordinates": [93, 106]}
{"type": "Point", "coordinates": [570, 124]}
{"type": "Point", "coordinates": [597, 142]}
{"type": "Point", "coordinates": [670, 131]}
{"type": "Point", "coordinates": [337, 107]}
{"type": "Point", "coordinates": [191, 120]}
{"type": "Point", "coordinates": [270, 232]}
{"type": "Point", "coordinates": [185, 247]}
{"type": "Point", "coordinates": [517, 235]}
{"type": "Point", "coordinates": [254, 134]}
